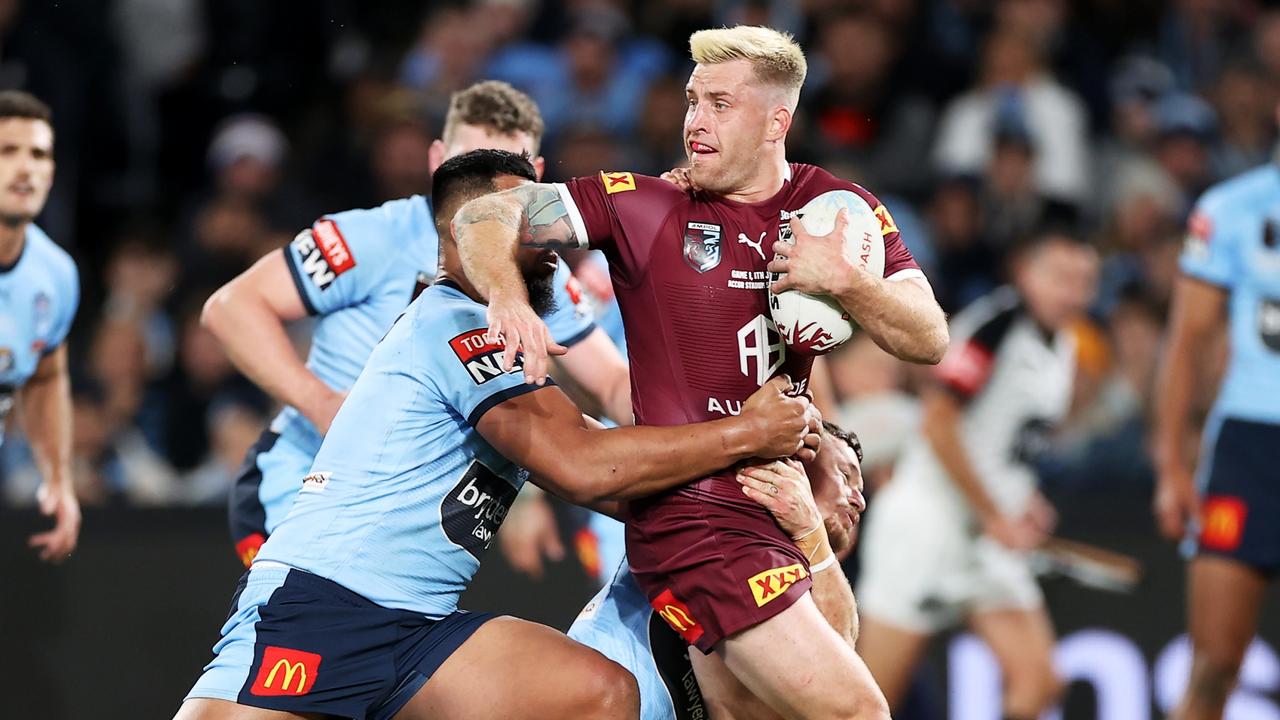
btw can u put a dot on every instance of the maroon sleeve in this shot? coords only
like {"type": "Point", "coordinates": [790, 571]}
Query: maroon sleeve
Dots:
{"type": "Point", "coordinates": [621, 214]}
{"type": "Point", "coordinates": [897, 258]}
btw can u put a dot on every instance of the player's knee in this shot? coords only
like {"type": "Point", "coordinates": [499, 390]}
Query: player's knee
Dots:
{"type": "Point", "coordinates": [867, 704]}
{"type": "Point", "coordinates": [1212, 677]}
{"type": "Point", "coordinates": [607, 690]}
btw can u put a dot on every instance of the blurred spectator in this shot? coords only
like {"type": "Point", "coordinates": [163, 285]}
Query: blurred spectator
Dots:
{"type": "Point", "coordinates": [967, 267]}
{"type": "Point", "coordinates": [1054, 118]}
{"type": "Point", "coordinates": [1137, 85]}
{"type": "Point", "coordinates": [140, 275]}
{"type": "Point", "coordinates": [1193, 40]}
{"type": "Point", "coordinates": [233, 426]}
{"type": "Point", "coordinates": [583, 151]}
{"type": "Point", "coordinates": [1185, 129]}
{"type": "Point", "coordinates": [202, 377]}
{"type": "Point", "coordinates": [858, 115]}
{"type": "Point", "coordinates": [658, 145]}
{"type": "Point", "coordinates": [1071, 53]}
{"type": "Point", "coordinates": [449, 55]}
{"type": "Point", "coordinates": [399, 161]}
{"type": "Point", "coordinates": [1247, 109]}
{"type": "Point", "coordinates": [597, 76]}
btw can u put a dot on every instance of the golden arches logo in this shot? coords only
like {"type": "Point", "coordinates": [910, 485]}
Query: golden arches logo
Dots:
{"type": "Point", "coordinates": [290, 669]}
{"type": "Point", "coordinates": [677, 618]}
{"type": "Point", "coordinates": [285, 671]}
{"type": "Point", "coordinates": [1223, 523]}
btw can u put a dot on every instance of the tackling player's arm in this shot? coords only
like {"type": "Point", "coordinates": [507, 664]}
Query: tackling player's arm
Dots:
{"type": "Point", "coordinates": [45, 406]}
{"type": "Point", "coordinates": [546, 434]}
{"type": "Point", "coordinates": [793, 506]}
{"type": "Point", "coordinates": [597, 366]}
{"type": "Point", "coordinates": [248, 317]}
{"type": "Point", "coordinates": [1198, 309]}
{"type": "Point", "coordinates": [902, 316]}
{"type": "Point", "coordinates": [488, 230]}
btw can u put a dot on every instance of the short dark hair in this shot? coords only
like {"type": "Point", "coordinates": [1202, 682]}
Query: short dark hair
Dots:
{"type": "Point", "coordinates": [496, 106]}
{"type": "Point", "coordinates": [848, 436]}
{"type": "Point", "coordinates": [19, 104]}
{"type": "Point", "coordinates": [470, 175]}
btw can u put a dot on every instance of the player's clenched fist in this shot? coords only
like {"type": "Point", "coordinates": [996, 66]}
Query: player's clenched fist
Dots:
{"type": "Point", "coordinates": [781, 422]}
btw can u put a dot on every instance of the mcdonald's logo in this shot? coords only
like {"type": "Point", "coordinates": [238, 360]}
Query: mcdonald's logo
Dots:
{"type": "Point", "coordinates": [285, 672]}
{"type": "Point", "coordinates": [1222, 523]}
{"type": "Point", "coordinates": [248, 548]}
{"type": "Point", "coordinates": [677, 616]}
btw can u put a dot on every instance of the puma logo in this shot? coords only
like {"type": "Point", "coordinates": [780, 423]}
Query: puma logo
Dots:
{"type": "Point", "coordinates": [743, 239]}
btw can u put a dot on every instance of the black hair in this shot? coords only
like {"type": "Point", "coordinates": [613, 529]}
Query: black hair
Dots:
{"type": "Point", "coordinates": [470, 175]}
{"type": "Point", "coordinates": [19, 104]}
{"type": "Point", "coordinates": [848, 436]}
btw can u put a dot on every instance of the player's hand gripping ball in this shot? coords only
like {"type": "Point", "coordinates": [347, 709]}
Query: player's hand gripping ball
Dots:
{"type": "Point", "coordinates": [817, 324]}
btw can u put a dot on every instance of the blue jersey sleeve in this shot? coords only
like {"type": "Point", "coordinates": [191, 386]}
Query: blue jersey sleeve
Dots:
{"type": "Point", "coordinates": [464, 369]}
{"type": "Point", "coordinates": [573, 318]}
{"type": "Point", "coordinates": [1210, 250]}
{"type": "Point", "coordinates": [68, 303]}
{"type": "Point", "coordinates": [341, 259]}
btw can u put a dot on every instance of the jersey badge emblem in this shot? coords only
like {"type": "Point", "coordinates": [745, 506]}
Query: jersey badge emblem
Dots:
{"type": "Point", "coordinates": [702, 245]}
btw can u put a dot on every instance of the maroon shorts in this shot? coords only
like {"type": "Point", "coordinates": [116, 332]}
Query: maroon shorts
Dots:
{"type": "Point", "coordinates": [711, 561]}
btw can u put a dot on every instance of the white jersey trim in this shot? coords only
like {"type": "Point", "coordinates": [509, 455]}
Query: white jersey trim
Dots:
{"type": "Point", "coordinates": [575, 216]}
{"type": "Point", "coordinates": [906, 274]}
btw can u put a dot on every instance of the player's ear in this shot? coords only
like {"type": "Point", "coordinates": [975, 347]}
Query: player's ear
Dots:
{"type": "Point", "coordinates": [779, 124]}
{"type": "Point", "coordinates": [435, 155]}
{"type": "Point", "coordinates": [539, 165]}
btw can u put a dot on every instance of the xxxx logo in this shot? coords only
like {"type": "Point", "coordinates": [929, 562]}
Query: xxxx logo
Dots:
{"type": "Point", "coordinates": [771, 583]}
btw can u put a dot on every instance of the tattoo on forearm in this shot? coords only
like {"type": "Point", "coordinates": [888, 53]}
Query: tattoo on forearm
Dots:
{"type": "Point", "coordinates": [538, 215]}
{"type": "Point", "coordinates": [547, 218]}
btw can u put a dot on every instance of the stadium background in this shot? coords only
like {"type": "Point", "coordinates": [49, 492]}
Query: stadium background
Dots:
{"type": "Point", "coordinates": [195, 135]}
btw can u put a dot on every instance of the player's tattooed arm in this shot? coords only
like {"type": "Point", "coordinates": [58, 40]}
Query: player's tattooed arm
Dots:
{"type": "Point", "coordinates": [536, 212]}
{"type": "Point", "coordinates": [489, 230]}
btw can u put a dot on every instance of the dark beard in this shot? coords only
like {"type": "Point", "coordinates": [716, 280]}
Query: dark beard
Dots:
{"type": "Point", "coordinates": [14, 221]}
{"type": "Point", "coordinates": [542, 296]}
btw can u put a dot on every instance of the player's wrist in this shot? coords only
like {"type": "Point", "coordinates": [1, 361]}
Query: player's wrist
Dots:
{"type": "Point", "coordinates": [740, 436]}
{"type": "Point", "coordinates": [816, 547]}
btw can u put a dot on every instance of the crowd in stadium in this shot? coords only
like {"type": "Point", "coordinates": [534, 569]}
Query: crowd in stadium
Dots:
{"type": "Point", "coordinates": [195, 136]}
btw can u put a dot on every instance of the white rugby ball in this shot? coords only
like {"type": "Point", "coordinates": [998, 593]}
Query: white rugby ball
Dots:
{"type": "Point", "coordinates": [816, 324]}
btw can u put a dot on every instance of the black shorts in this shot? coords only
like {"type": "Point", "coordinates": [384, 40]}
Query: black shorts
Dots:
{"type": "Point", "coordinates": [1241, 504]}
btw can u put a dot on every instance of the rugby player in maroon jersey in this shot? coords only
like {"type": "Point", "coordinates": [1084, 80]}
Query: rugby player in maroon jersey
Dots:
{"type": "Point", "coordinates": [690, 270]}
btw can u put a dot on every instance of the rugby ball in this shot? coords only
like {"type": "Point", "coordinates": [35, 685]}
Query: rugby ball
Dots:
{"type": "Point", "coordinates": [816, 324]}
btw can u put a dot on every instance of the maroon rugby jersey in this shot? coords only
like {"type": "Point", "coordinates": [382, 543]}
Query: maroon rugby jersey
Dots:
{"type": "Point", "coordinates": [689, 273]}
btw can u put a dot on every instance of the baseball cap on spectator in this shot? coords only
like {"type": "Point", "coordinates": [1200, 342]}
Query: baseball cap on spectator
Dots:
{"type": "Point", "coordinates": [242, 136]}
{"type": "Point", "coordinates": [1183, 114]}
{"type": "Point", "coordinates": [1140, 79]}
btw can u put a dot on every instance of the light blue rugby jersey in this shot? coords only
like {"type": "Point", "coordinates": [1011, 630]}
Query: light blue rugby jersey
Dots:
{"type": "Point", "coordinates": [619, 623]}
{"type": "Point", "coordinates": [39, 294]}
{"type": "Point", "coordinates": [358, 270]}
{"type": "Point", "coordinates": [1234, 243]}
{"type": "Point", "coordinates": [405, 495]}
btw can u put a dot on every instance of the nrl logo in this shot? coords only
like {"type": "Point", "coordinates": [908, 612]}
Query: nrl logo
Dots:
{"type": "Point", "coordinates": [702, 245]}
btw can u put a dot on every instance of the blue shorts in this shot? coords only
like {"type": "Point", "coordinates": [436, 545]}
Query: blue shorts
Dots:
{"type": "Point", "coordinates": [1241, 501]}
{"type": "Point", "coordinates": [303, 644]}
{"type": "Point", "coordinates": [264, 491]}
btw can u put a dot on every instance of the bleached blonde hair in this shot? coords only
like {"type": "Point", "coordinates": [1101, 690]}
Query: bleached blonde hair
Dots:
{"type": "Point", "coordinates": [775, 56]}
